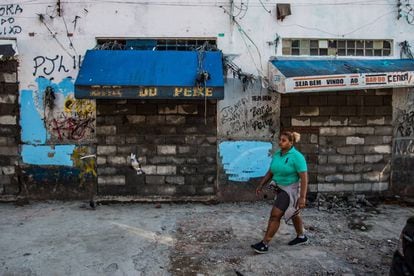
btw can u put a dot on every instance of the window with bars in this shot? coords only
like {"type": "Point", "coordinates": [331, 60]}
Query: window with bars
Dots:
{"type": "Point", "coordinates": [169, 44]}
{"type": "Point", "coordinates": [333, 47]}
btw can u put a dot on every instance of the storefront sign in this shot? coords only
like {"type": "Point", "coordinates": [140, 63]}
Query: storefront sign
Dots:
{"type": "Point", "coordinates": [342, 82]}
{"type": "Point", "coordinates": [127, 92]}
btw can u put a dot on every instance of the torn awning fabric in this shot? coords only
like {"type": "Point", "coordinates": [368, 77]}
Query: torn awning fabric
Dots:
{"type": "Point", "coordinates": [142, 74]}
{"type": "Point", "coordinates": [293, 76]}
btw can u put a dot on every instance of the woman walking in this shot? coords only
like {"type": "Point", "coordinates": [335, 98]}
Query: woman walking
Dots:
{"type": "Point", "coordinates": [288, 170]}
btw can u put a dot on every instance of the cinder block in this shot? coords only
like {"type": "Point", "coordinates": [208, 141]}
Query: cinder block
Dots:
{"type": "Point", "coordinates": [352, 177]}
{"type": "Point", "coordinates": [101, 160]}
{"type": "Point", "coordinates": [155, 180]}
{"type": "Point", "coordinates": [106, 150]}
{"type": "Point", "coordinates": [384, 130]}
{"type": "Point", "coordinates": [373, 158]}
{"type": "Point", "coordinates": [8, 77]}
{"type": "Point", "coordinates": [326, 187]}
{"type": "Point", "coordinates": [364, 130]}
{"type": "Point", "coordinates": [382, 149]}
{"type": "Point", "coordinates": [342, 187]}
{"type": "Point", "coordinates": [136, 119]}
{"type": "Point", "coordinates": [363, 187]}
{"type": "Point", "coordinates": [334, 178]}
{"type": "Point", "coordinates": [8, 99]}
{"type": "Point", "coordinates": [346, 150]}
{"type": "Point", "coordinates": [175, 120]}
{"type": "Point", "coordinates": [117, 160]}
{"type": "Point", "coordinates": [167, 190]}
{"type": "Point", "coordinates": [115, 140]}
{"type": "Point", "coordinates": [380, 186]}
{"type": "Point", "coordinates": [353, 140]}
{"type": "Point", "coordinates": [309, 111]}
{"type": "Point", "coordinates": [166, 170]}
{"type": "Point", "coordinates": [167, 109]}
{"type": "Point", "coordinates": [149, 169]}
{"type": "Point", "coordinates": [183, 149]}
{"type": "Point", "coordinates": [346, 131]}
{"type": "Point", "coordinates": [111, 180]}
{"type": "Point", "coordinates": [371, 176]}
{"type": "Point", "coordinates": [300, 121]}
{"type": "Point", "coordinates": [166, 149]}
{"type": "Point", "coordinates": [9, 151]}
{"type": "Point", "coordinates": [188, 109]}
{"type": "Point", "coordinates": [320, 121]}
{"type": "Point", "coordinates": [155, 120]}
{"type": "Point", "coordinates": [338, 121]}
{"type": "Point", "coordinates": [355, 159]}
{"type": "Point", "coordinates": [178, 180]}
{"type": "Point", "coordinates": [322, 159]}
{"type": "Point", "coordinates": [378, 120]}
{"type": "Point", "coordinates": [327, 131]}
{"type": "Point", "coordinates": [8, 170]}
{"type": "Point", "coordinates": [337, 159]}
{"type": "Point", "coordinates": [8, 120]}
{"type": "Point", "coordinates": [106, 130]}
{"type": "Point", "coordinates": [207, 191]}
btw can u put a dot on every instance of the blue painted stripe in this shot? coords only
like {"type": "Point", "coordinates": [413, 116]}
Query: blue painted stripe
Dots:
{"type": "Point", "coordinates": [46, 155]}
{"type": "Point", "coordinates": [243, 160]}
{"type": "Point", "coordinates": [32, 125]}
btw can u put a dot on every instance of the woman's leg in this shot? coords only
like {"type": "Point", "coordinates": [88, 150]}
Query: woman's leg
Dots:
{"type": "Point", "coordinates": [298, 223]}
{"type": "Point", "coordinates": [273, 225]}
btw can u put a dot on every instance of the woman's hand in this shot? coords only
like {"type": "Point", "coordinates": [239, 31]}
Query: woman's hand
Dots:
{"type": "Point", "coordinates": [259, 190]}
{"type": "Point", "coordinates": [301, 203]}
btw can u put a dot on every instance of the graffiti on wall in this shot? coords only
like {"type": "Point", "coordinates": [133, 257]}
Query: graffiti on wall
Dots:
{"type": "Point", "coordinates": [404, 147]}
{"type": "Point", "coordinates": [243, 160]}
{"type": "Point", "coordinates": [47, 65]}
{"type": "Point", "coordinates": [84, 159]}
{"type": "Point", "coordinates": [249, 114]}
{"type": "Point", "coordinates": [75, 122]}
{"type": "Point", "coordinates": [405, 123]}
{"type": "Point", "coordinates": [8, 24]}
{"type": "Point", "coordinates": [50, 112]}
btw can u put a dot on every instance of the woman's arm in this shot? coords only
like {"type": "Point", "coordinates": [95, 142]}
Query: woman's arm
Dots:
{"type": "Point", "coordinates": [303, 189]}
{"type": "Point", "coordinates": [264, 180]}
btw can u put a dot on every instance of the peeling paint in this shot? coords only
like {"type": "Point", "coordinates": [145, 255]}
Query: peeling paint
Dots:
{"type": "Point", "coordinates": [47, 155]}
{"type": "Point", "coordinates": [243, 160]}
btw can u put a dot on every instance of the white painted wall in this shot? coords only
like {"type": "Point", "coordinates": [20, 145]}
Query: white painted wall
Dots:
{"type": "Point", "coordinates": [191, 18]}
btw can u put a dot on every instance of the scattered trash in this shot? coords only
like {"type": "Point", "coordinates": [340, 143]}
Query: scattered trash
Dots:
{"type": "Point", "coordinates": [135, 164]}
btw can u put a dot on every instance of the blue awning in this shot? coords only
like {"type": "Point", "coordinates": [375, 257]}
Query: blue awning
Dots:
{"type": "Point", "coordinates": [150, 75]}
{"type": "Point", "coordinates": [288, 75]}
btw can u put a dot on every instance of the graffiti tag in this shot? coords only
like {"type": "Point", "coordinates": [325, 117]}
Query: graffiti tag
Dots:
{"type": "Point", "coordinates": [50, 64]}
{"type": "Point", "coordinates": [8, 24]}
{"type": "Point", "coordinates": [404, 146]}
{"type": "Point", "coordinates": [405, 125]}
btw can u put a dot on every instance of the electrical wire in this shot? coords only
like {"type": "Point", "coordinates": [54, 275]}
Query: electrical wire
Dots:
{"type": "Point", "coordinates": [258, 3]}
{"type": "Point", "coordinates": [336, 34]}
{"type": "Point", "coordinates": [57, 40]}
{"type": "Point", "coordinates": [67, 35]}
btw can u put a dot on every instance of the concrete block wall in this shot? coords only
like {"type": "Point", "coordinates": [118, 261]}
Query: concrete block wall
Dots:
{"type": "Point", "coordinates": [346, 137]}
{"type": "Point", "coordinates": [9, 128]}
{"type": "Point", "coordinates": [174, 141]}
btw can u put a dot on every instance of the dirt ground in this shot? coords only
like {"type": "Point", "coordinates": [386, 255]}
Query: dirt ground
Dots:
{"type": "Point", "coordinates": [58, 238]}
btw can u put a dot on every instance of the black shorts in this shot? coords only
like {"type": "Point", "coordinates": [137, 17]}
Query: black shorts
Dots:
{"type": "Point", "coordinates": [282, 200]}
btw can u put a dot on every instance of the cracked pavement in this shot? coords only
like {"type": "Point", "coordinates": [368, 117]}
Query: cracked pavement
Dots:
{"type": "Point", "coordinates": [60, 238]}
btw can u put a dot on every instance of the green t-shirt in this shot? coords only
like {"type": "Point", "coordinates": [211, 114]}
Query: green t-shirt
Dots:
{"type": "Point", "coordinates": [286, 168]}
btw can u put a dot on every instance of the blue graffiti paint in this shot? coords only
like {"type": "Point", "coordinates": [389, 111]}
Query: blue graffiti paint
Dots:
{"type": "Point", "coordinates": [47, 155]}
{"type": "Point", "coordinates": [33, 127]}
{"type": "Point", "coordinates": [243, 160]}
{"type": "Point", "coordinates": [31, 121]}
